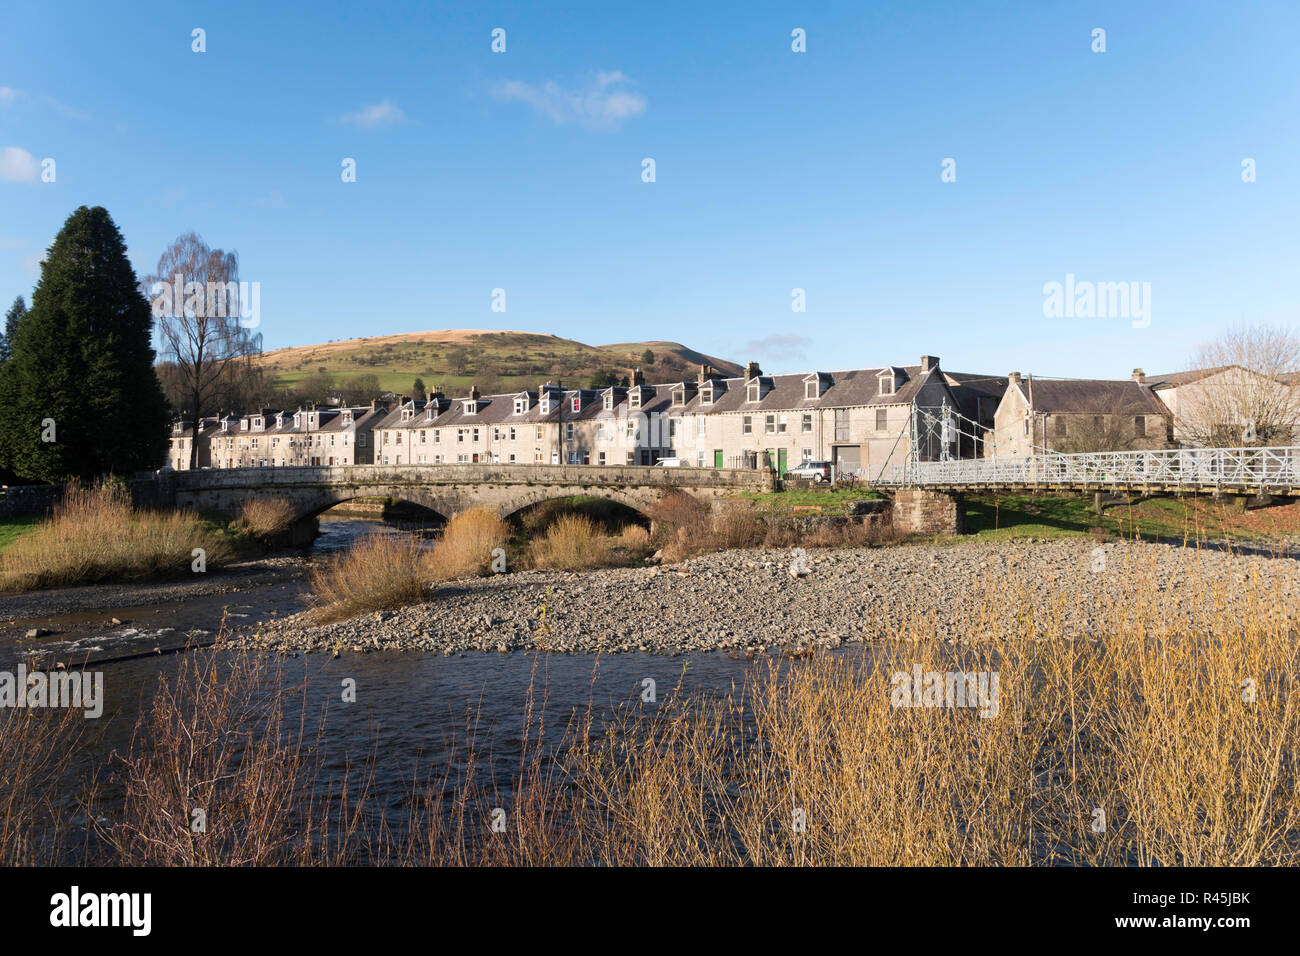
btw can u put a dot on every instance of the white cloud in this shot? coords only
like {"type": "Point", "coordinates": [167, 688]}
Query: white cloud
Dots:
{"type": "Point", "coordinates": [604, 103]}
{"type": "Point", "coordinates": [8, 95]}
{"type": "Point", "coordinates": [377, 114]}
{"type": "Point", "coordinates": [18, 166]}
{"type": "Point", "coordinates": [780, 348]}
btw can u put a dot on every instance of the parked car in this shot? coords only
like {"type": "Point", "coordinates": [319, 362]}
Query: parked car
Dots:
{"type": "Point", "coordinates": [816, 470]}
{"type": "Point", "coordinates": [672, 463]}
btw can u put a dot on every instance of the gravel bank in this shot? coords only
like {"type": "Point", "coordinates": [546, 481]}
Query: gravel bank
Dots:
{"type": "Point", "coordinates": [748, 602]}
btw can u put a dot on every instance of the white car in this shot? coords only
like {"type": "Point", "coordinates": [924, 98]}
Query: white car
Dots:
{"type": "Point", "coordinates": [672, 463]}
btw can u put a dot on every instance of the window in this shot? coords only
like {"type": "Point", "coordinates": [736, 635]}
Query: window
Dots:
{"type": "Point", "coordinates": [805, 423]}
{"type": "Point", "coordinates": [699, 459]}
{"type": "Point", "coordinates": [887, 385]}
{"type": "Point", "coordinates": [780, 425]}
{"type": "Point", "coordinates": [568, 431]}
{"type": "Point", "coordinates": [575, 403]}
{"type": "Point", "coordinates": [679, 396]}
{"type": "Point", "coordinates": [701, 427]}
{"type": "Point", "coordinates": [672, 428]}
{"type": "Point", "coordinates": [512, 432]}
{"type": "Point", "coordinates": [521, 405]}
{"type": "Point", "coordinates": [600, 458]}
{"type": "Point", "coordinates": [706, 394]}
{"type": "Point", "coordinates": [437, 436]}
{"type": "Point", "coordinates": [751, 392]}
{"type": "Point", "coordinates": [882, 419]}
{"type": "Point", "coordinates": [841, 424]}
{"type": "Point", "coordinates": [634, 398]}
{"type": "Point", "coordinates": [423, 437]}
{"type": "Point", "coordinates": [609, 400]}
{"type": "Point", "coordinates": [386, 437]}
{"type": "Point", "coordinates": [539, 433]}
{"type": "Point", "coordinates": [460, 435]}
{"type": "Point", "coordinates": [361, 439]}
{"type": "Point", "coordinates": [747, 425]}
{"type": "Point", "coordinates": [769, 424]}
{"type": "Point", "coordinates": [810, 389]}
{"type": "Point", "coordinates": [476, 436]}
{"type": "Point", "coordinates": [807, 454]}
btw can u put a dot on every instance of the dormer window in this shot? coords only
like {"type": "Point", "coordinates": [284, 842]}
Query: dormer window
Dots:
{"type": "Point", "coordinates": [706, 394]}
{"type": "Point", "coordinates": [431, 411]}
{"type": "Point", "coordinates": [634, 398]}
{"type": "Point", "coordinates": [471, 406]}
{"type": "Point", "coordinates": [297, 420]}
{"type": "Point", "coordinates": [609, 400]}
{"type": "Point", "coordinates": [751, 391]}
{"type": "Point", "coordinates": [408, 414]}
{"type": "Point", "coordinates": [888, 382]}
{"type": "Point", "coordinates": [521, 405]}
{"type": "Point", "coordinates": [575, 403]}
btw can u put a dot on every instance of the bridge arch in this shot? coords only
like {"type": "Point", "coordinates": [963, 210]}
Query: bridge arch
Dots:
{"type": "Point", "coordinates": [638, 500]}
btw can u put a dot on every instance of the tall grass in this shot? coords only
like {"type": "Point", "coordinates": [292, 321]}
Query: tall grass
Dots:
{"type": "Point", "coordinates": [573, 542]}
{"type": "Point", "coordinates": [1158, 740]}
{"type": "Point", "coordinates": [94, 534]}
{"type": "Point", "coordinates": [467, 544]}
{"type": "Point", "coordinates": [264, 518]}
{"type": "Point", "coordinates": [379, 572]}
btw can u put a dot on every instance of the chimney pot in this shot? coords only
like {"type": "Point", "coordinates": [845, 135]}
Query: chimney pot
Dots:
{"type": "Point", "coordinates": [752, 371]}
{"type": "Point", "coordinates": [1139, 376]}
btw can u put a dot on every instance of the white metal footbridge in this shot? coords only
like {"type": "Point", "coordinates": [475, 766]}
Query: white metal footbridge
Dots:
{"type": "Point", "coordinates": [1247, 470]}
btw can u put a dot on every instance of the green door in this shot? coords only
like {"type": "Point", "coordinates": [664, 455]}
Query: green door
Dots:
{"type": "Point", "coordinates": [717, 458]}
{"type": "Point", "coordinates": [780, 462]}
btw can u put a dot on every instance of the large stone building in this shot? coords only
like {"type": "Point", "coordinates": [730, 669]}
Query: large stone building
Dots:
{"type": "Point", "coordinates": [1078, 415]}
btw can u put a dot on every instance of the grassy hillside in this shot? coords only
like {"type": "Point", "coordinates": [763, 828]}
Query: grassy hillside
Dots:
{"type": "Point", "coordinates": [495, 361]}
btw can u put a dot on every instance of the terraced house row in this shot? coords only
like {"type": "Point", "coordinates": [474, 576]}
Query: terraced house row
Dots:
{"type": "Point", "coordinates": [860, 420]}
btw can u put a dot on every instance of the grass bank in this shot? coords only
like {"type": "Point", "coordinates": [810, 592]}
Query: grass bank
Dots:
{"type": "Point", "coordinates": [95, 535]}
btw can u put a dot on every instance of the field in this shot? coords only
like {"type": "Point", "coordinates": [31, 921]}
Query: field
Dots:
{"type": "Point", "coordinates": [495, 361]}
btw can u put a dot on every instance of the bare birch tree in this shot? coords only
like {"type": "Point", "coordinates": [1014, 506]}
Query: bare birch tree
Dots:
{"type": "Point", "coordinates": [195, 296]}
{"type": "Point", "coordinates": [1251, 394]}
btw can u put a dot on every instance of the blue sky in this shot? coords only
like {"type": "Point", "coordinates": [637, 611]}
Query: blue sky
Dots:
{"type": "Point", "coordinates": [775, 170]}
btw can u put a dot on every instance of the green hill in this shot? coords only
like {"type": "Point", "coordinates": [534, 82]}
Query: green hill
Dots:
{"type": "Point", "coordinates": [494, 361]}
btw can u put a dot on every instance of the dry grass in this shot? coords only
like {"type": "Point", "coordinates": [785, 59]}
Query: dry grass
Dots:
{"type": "Point", "coordinates": [466, 546]}
{"type": "Point", "coordinates": [1178, 732]}
{"type": "Point", "coordinates": [378, 573]}
{"type": "Point", "coordinates": [94, 534]}
{"type": "Point", "coordinates": [574, 542]}
{"type": "Point", "coordinates": [264, 518]}
{"type": "Point", "coordinates": [687, 531]}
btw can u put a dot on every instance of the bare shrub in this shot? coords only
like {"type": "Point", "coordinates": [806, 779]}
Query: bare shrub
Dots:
{"type": "Point", "coordinates": [378, 573]}
{"type": "Point", "coordinates": [571, 543]}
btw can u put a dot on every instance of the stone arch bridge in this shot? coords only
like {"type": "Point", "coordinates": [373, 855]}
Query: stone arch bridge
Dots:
{"type": "Point", "coordinates": [452, 488]}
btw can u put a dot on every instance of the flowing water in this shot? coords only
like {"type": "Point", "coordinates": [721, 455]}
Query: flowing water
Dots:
{"type": "Point", "coordinates": [410, 707]}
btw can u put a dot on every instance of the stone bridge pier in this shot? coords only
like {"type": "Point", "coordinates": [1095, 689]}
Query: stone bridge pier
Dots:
{"type": "Point", "coordinates": [917, 511]}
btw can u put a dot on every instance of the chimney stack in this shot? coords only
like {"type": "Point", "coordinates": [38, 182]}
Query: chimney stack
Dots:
{"type": "Point", "coordinates": [637, 377]}
{"type": "Point", "coordinates": [706, 372]}
{"type": "Point", "coordinates": [752, 371]}
{"type": "Point", "coordinates": [929, 362]}
{"type": "Point", "coordinates": [473, 391]}
{"type": "Point", "coordinates": [1014, 378]}
{"type": "Point", "coordinates": [1139, 376]}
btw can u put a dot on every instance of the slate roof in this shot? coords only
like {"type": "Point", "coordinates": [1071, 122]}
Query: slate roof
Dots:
{"type": "Point", "coordinates": [1097, 396]}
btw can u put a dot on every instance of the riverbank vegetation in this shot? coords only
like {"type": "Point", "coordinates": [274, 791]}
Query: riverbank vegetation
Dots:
{"type": "Point", "coordinates": [94, 535]}
{"type": "Point", "coordinates": [381, 572]}
{"type": "Point", "coordinates": [1156, 742]}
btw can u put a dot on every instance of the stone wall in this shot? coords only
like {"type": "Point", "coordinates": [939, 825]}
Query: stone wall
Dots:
{"type": "Point", "coordinates": [148, 490]}
{"type": "Point", "coordinates": [927, 512]}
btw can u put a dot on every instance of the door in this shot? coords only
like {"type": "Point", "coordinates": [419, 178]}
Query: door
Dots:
{"type": "Point", "coordinates": [780, 462]}
{"type": "Point", "coordinates": [717, 458]}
